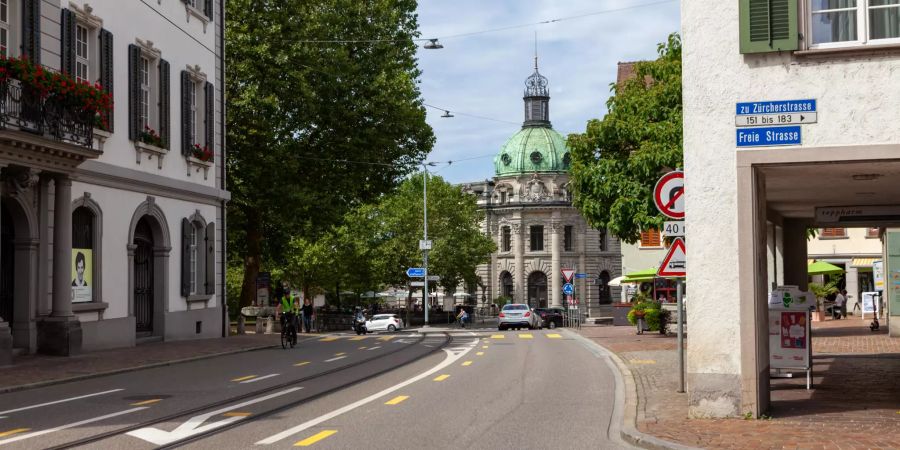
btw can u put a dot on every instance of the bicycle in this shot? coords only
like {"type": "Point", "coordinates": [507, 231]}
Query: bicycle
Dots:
{"type": "Point", "coordinates": [288, 331]}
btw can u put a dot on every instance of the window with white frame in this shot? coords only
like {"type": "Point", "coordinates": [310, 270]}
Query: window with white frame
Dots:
{"type": "Point", "coordinates": [4, 27]}
{"type": "Point", "coordinates": [192, 98]}
{"type": "Point", "coordinates": [836, 23]}
{"type": "Point", "coordinates": [82, 55]}
{"type": "Point", "coordinates": [9, 24]}
{"type": "Point", "coordinates": [195, 260]}
{"type": "Point", "coordinates": [144, 74]}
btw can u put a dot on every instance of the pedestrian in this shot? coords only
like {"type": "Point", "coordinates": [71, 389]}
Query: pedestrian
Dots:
{"type": "Point", "coordinates": [837, 310]}
{"type": "Point", "coordinates": [307, 315]}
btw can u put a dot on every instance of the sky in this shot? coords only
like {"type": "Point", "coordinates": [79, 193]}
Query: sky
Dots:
{"type": "Point", "coordinates": [484, 74]}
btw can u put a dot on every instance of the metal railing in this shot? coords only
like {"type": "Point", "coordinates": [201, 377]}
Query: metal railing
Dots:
{"type": "Point", "coordinates": [23, 108]}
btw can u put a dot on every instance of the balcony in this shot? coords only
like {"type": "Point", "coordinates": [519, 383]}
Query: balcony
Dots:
{"type": "Point", "coordinates": [23, 109]}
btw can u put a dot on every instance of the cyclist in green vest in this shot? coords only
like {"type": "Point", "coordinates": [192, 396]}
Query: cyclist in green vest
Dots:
{"type": "Point", "coordinates": [289, 311]}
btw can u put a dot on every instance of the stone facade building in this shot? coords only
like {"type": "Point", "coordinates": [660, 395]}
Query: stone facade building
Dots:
{"type": "Point", "coordinates": [112, 224]}
{"type": "Point", "coordinates": [529, 214]}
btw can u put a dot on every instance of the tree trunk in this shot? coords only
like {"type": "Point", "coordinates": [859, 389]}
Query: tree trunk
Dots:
{"type": "Point", "coordinates": [251, 263]}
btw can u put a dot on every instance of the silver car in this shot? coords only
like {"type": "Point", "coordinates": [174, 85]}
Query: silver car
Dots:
{"type": "Point", "coordinates": [518, 315]}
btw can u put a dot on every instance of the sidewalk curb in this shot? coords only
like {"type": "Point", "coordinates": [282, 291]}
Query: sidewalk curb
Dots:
{"type": "Point", "coordinates": [625, 412]}
{"type": "Point", "coordinates": [39, 384]}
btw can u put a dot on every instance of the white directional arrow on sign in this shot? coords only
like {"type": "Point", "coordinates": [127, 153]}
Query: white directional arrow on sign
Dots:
{"type": "Point", "coordinates": [194, 425]}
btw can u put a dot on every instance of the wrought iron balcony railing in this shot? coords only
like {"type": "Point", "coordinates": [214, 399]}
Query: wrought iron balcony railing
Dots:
{"type": "Point", "coordinates": [23, 108]}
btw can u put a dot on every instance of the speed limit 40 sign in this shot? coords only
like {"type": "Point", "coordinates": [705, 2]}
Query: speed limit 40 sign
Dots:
{"type": "Point", "coordinates": [673, 229]}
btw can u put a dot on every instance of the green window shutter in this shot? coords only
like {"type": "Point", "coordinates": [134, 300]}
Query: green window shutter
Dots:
{"type": "Point", "coordinates": [769, 26]}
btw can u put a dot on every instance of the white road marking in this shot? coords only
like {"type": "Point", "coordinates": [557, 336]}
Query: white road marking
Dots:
{"type": "Point", "coordinates": [61, 401]}
{"type": "Point", "coordinates": [253, 380]}
{"type": "Point", "coordinates": [22, 437]}
{"type": "Point", "coordinates": [193, 425]}
{"type": "Point", "coordinates": [335, 359]}
{"type": "Point", "coordinates": [452, 356]}
{"type": "Point", "coordinates": [373, 348]}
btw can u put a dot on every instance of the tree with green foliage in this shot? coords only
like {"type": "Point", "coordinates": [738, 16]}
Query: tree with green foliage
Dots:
{"type": "Point", "coordinates": [617, 160]}
{"type": "Point", "coordinates": [315, 129]}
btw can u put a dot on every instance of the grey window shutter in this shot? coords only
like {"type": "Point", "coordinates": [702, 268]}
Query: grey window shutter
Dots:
{"type": "Point", "coordinates": [31, 30]}
{"type": "Point", "coordinates": [210, 261]}
{"type": "Point", "coordinates": [768, 26]}
{"type": "Point", "coordinates": [165, 82]}
{"type": "Point", "coordinates": [208, 8]}
{"type": "Point", "coordinates": [134, 92]}
{"type": "Point", "coordinates": [186, 228]}
{"type": "Point", "coordinates": [106, 69]}
{"type": "Point", "coordinates": [209, 93]}
{"type": "Point", "coordinates": [67, 42]}
{"type": "Point", "coordinates": [185, 113]}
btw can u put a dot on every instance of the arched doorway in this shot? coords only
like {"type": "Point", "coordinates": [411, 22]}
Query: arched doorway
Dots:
{"type": "Point", "coordinates": [506, 284]}
{"type": "Point", "coordinates": [7, 265]}
{"type": "Point", "coordinates": [537, 290]}
{"type": "Point", "coordinates": [603, 284]}
{"type": "Point", "coordinates": [143, 278]}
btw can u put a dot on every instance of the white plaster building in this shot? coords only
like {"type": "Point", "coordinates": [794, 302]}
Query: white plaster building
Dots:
{"type": "Point", "coordinates": [145, 210]}
{"type": "Point", "coordinates": [748, 208]}
{"type": "Point", "coordinates": [529, 214]}
{"type": "Point", "coordinates": [852, 249]}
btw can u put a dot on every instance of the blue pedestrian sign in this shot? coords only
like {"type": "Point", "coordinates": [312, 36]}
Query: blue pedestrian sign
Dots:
{"type": "Point", "coordinates": [768, 136]}
{"type": "Point", "coordinates": [415, 272]}
{"type": "Point", "coordinates": [580, 275]}
{"type": "Point", "coordinates": [568, 289]}
{"type": "Point", "coordinates": [776, 107]}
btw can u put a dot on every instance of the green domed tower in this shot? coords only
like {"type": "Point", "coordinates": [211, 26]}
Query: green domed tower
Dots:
{"type": "Point", "coordinates": [537, 147]}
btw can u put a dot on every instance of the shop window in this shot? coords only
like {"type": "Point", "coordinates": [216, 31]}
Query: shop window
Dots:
{"type": "Point", "coordinates": [84, 256]}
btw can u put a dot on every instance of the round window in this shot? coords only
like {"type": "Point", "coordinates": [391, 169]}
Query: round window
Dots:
{"type": "Point", "coordinates": [536, 158]}
{"type": "Point", "coordinates": [506, 159]}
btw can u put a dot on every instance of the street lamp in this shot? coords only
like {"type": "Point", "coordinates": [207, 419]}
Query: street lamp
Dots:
{"type": "Point", "coordinates": [447, 114]}
{"type": "Point", "coordinates": [433, 44]}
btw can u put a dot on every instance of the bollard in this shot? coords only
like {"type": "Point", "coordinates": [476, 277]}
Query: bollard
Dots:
{"type": "Point", "coordinates": [259, 325]}
{"type": "Point", "coordinates": [270, 325]}
{"type": "Point", "coordinates": [241, 323]}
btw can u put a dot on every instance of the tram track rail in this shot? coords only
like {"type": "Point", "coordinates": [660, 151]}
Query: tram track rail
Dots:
{"type": "Point", "coordinates": [448, 339]}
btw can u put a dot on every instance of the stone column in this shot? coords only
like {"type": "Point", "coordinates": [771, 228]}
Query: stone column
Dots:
{"type": "Point", "coordinates": [555, 275]}
{"type": "Point", "coordinates": [5, 333]}
{"type": "Point", "coordinates": [520, 290]}
{"type": "Point", "coordinates": [60, 334]}
{"type": "Point", "coordinates": [581, 283]}
{"type": "Point", "coordinates": [795, 255]}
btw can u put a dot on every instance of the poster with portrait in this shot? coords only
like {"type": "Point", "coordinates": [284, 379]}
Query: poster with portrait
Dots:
{"type": "Point", "coordinates": [82, 275]}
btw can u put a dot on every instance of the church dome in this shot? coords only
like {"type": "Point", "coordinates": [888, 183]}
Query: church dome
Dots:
{"type": "Point", "coordinates": [533, 149]}
{"type": "Point", "coordinates": [537, 147]}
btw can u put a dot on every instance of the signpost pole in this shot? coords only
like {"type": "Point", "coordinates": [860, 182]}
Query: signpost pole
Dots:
{"type": "Point", "coordinates": [680, 297]}
{"type": "Point", "coordinates": [425, 298]}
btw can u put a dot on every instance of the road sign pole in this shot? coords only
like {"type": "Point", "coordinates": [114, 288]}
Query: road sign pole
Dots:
{"type": "Point", "coordinates": [425, 229]}
{"type": "Point", "coordinates": [680, 296]}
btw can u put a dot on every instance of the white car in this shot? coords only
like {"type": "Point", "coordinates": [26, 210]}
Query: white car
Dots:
{"type": "Point", "coordinates": [384, 322]}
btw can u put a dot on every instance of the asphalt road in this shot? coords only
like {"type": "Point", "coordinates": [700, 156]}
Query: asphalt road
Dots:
{"type": "Point", "coordinates": [535, 389]}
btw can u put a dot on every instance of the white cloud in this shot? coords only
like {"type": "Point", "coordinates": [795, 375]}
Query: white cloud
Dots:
{"type": "Point", "coordinates": [484, 74]}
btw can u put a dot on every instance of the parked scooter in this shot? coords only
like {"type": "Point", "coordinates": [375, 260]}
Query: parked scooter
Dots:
{"type": "Point", "coordinates": [359, 323]}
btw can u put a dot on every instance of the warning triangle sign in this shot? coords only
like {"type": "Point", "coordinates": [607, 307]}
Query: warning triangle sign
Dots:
{"type": "Point", "coordinates": [567, 274]}
{"type": "Point", "coordinates": [674, 264]}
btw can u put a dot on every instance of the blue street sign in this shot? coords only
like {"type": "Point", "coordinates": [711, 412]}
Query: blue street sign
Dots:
{"type": "Point", "coordinates": [568, 289]}
{"type": "Point", "coordinates": [580, 275]}
{"type": "Point", "coordinates": [765, 136]}
{"type": "Point", "coordinates": [776, 107]}
{"type": "Point", "coordinates": [415, 272]}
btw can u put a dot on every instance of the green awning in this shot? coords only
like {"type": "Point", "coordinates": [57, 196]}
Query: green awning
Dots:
{"type": "Point", "coordinates": [640, 276]}
{"type": "Point", "coordinates": [823, 268]}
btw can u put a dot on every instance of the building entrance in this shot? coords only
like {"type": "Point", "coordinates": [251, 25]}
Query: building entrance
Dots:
{"type": "Point", "coordinates": [143, 278]}
{"type": "Point", "coordinates": [537, 290]}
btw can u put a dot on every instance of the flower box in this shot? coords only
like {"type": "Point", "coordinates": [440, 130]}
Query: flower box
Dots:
{"type": "Point", "coordinates": [142, 148]}
{"type": "Point", "coordinates": [195, 164]}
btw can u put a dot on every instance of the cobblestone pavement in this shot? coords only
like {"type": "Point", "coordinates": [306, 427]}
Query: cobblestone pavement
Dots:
{"type": "Point", "coordinates": [854, 403]}
{"type": "Point", "coordinates": [36, 369]}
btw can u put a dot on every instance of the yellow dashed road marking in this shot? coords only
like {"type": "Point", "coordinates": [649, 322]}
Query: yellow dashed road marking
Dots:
{"type": "Point", "coordinates": [236, 414]}
{"type": "Point", "coordinates": [386, 338]}
{"type": "Point", "coordinates": [554, 336]}
{"type": "Point", "coordinates": [642, 361]}
{"type": "Point", "coordinates": [497, 336]}
{"type": "Point", "coordinates": [15, 431]}
{"type": "Point", "coordinates": [147, 402]}
{"type": "Point", "coordinates": [328, 339]}
{"type": "Point", "coordinates": [442, 377]}
{"type": "Point", "coordinates": [301, 363]}
{"type": "Point", "coordinates": [314, 438]}
{"type": "Point", "coordinates": [526, 336]}
{"type": "Point", "coordinates": [479, 354]}
{"type": "Point", "coordinates": [358, 338]}
{"type": "Point", "coordinates": [484, 346]}
{"type": "Point", "coordinates": [244, 378]}
{"type": "Point", "coordinates": [340, 354]}
{"type": "Point", "coordinates": [467, 363]}
{"type": "Point", "coordinates": [396, 400]}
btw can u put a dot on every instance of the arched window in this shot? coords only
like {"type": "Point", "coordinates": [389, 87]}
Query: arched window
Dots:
{"type": "Point", "coordinates": [197, 257]}
{"type": "Point", "coordinates": [506, 284]}
{"type": "Point", "coordinates": [603, 283]}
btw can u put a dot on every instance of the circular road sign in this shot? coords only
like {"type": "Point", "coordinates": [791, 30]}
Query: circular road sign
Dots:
{"type": "Point", "coordinates": [568, 289]}
{"type": "Point", "coordinates": [668, 195]}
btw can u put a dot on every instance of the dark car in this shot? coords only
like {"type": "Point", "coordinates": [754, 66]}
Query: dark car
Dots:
{"type": "Point", "coordinates": [552, 317]}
